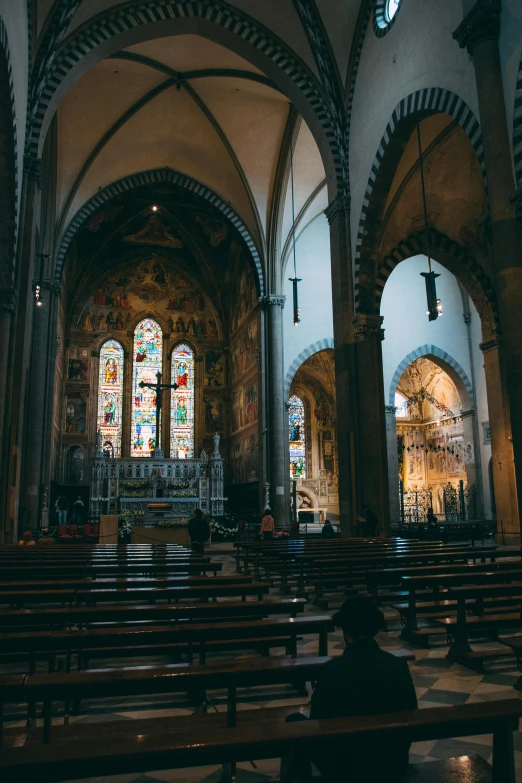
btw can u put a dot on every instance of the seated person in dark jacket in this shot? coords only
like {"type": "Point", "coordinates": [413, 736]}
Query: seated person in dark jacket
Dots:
{"type": "Point", "coordinates": [364, 680]}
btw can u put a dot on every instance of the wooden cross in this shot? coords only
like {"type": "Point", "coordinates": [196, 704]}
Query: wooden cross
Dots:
{"type": "Point", "coordinates": [159, 388]}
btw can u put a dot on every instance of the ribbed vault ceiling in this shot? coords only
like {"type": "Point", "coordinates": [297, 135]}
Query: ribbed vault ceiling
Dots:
{"type": "Point", "coordinates": [190, 104]}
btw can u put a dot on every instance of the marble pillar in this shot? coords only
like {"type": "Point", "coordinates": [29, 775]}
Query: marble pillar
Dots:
{"type": "Point", "coordinates": [371, 444]}
{"type": "Point", "coordinates": [277, 422]}
{"type": "Point", "coordinates": [19, 352]}
{"type": "Point", "coordinates": [40, 403]}
{"type": "Point", "coordinates": [338, 215]}
{"type": "Point", "coordinates": [479, 34]}
{"type": "Point", "coordinates": [502, 464]}
{"type": "Point", "coordinates": [393, 463]}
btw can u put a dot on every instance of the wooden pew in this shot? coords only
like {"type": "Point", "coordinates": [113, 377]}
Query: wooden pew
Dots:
{"type": "Point", "coordinates": [11, 691]}
{"type": "Point", "coordinates": [109, 583]}
{"type": "Point", "coordinates": [112, 640]}
{"type": "Point", "coordinates": [135, 752]}
{"type": "Point", "coordinates": [68, 570]}
{"type": "Point", "coordinates": [92, 594]}
{"type": "Point", "coordinates": [458, 627]}
{"type": "Point", "coordinates": [86, 615]}
{"type": "Point", "coordinates": [411, 631]}
{"type": "Point", "coordinates": [174, 678]}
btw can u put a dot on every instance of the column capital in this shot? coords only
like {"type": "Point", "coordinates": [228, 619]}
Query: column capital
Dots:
{"type": "Point", "coordinates": [368, 325]}
{"type": "Point", "coordinates": [467, 318]}
{"type": "Point", "coordinates": [273, 300]}
{"type": "Point", "coordinates": [49, 285]}
{"type": "Point", "coordinates": [481, 23]}
{"type": "Point", "coordinates": [340, 205]}
{"type": "Point", "coordinates": [390, 409]}
{"type": "Point", "coordinates": [8, 299]}
{"type": "Point", "coordinates": [490, 345]}
{"type": "Point", "coordinates": [33, 168]}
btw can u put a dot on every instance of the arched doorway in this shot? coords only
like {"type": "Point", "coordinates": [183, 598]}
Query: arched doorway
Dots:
{"type": "Point", "coordinates": [435, 448]}
{"type": "Point", "coordinates": [312, 439]}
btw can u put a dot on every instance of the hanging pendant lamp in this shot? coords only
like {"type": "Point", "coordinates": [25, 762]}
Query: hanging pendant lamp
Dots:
{"type": "Point", "coordinates": [294, 280]}
{"type": "Point", "coordinates": [434, 305]}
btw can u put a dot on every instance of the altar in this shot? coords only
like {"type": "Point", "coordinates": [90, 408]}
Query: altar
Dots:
{"type": "Point", "coordinates": [160, 535]}
{"type": "Point", "coordinates": [155, 497]}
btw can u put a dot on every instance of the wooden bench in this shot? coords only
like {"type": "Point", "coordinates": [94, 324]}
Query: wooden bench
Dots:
{"type": "Point", "coordinates": [135, 752]}
{"type": "Point", "coordinates": [111, 640]}
{"type": "Point", "coordinates": [85, 615]}
{"type": "Point", "coordinates": [127, 582]}
{"type": "Point", "coordinates": [458, 627]}
{"type": "Point", "coordinates": [68, 570]}
{"type": "Point", "coordinates": [208, 589]}
{"type": "Point", "coordinates": [11, 691]}
{"type": "Point", "coordinates": [411, 631]}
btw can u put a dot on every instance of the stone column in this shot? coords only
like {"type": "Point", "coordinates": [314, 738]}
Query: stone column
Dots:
{"type": "Point", "coordinates": [277, 422]}
{"type": "Point", "coordinates": [473, 464]}
{"type": "Point", "coordinates": [503, 466]}
{"type": "Point", "coordinates": [40, 401]}
{"type": "Point", "coordinates": [479, 34]}
{"type": "Point", "coordinates": [393, 463]}
{"type": "Point", "coordinates": [372, 458]}
{"type": "Point", "coordinates": [19, 345]}
{"type": "Point", "coordinates": [338, 215]}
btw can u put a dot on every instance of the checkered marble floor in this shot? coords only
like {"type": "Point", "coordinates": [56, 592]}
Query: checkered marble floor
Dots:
{"type": "Point", "coordinates": [437, 681]}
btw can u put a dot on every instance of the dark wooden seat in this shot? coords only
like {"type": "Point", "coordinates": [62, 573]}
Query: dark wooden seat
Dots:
{"type": "Point", "coordinates": [141, 640]}
{"type": "Point", "coordinates": [63, 617]}
{"type": "Point", "coordinates": [264, 738]}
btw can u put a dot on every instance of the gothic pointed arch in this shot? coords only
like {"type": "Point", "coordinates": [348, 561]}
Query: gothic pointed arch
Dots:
{"type": "Point", "coordinates": [319, 345]}
{"type": "Point", "coordinates": [457, 260]}
{"type": "Point", "coordinates": [446, 362]}
{"type": "Point", "coordinates": [109, 420]}
{"type": "Point", "coordinates": [182, 400]}
{"type": "Point", "coordinates": [408, 112]}
{"type": "Point", "coordinates": [147, 361]}
{"type": "Point", "coordinates": [156, 177]}
{"type": "Point", "coordinates": [131, 23]}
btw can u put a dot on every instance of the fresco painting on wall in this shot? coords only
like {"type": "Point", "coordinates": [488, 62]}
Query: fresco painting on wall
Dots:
{"type": "Point", "coordinates": [244, 349]}
{"type": "Point", "coordinates": [244, 453]}
{"type": "Point", "coordinates": [76, 413]}
{"type": "Point", "coordinates": [78, 370]}
{"type": "Point", "coordinates": [456, 456]}
{"type": "Point", "coordinates": [214, 414]}
{"type": "Point", "coordinates": [241, 284]}
{"type": "Point", "coordinates": [131, 289]}
{"type": "Point", "coordinates": [415, 455]}
{"type": "Point", "coordinates": [436, 456]}
{"type": "Point", "coordinates": [244, 406]}
{"type": "Point", "coordinates": [214, 368]}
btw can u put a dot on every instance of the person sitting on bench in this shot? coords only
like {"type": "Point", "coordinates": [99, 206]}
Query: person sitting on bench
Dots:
{"type": "Point", "coordinates": [364, 680]}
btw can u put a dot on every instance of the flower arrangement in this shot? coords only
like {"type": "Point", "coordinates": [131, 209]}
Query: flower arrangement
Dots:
{"type": "Point", "coordinates": [172, 523]}
{"type": "Point", "coordinates": [223, 528]}
{"type": "Point", "coordinates": [136, 484]}
{"type": "Point", "coordinates": [136, 493]}
{"type": "Point", "coordinates": [186, 493]}
{"type": "Point", "coordinates": [101, 500]}
{"type": "Point", "coordinates": [178, 483]}
{"type": "Point", "coordinates": [125, 523]}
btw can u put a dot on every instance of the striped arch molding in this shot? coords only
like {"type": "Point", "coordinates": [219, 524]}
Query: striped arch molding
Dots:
{"type": "Point", "coordinates": [517, 128]}
{"type": "Point", "coordinates": [320, 345]}
{"type": "Point", "coordinates": [432, 99]}
{"type": "Point", "coordinates": [125, 19]}
{"type": "Point", "coordinates": [4, 44]}
{"type": "Point", "coordinates": [147, 178]}
{"type": "Point", "coordinates": [429, 350]}
{"type": "Point", "coordinates": [414, 245]}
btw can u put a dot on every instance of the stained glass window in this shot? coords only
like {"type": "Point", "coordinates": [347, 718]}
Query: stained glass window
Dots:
{"type": "Point", "coordinates": [401, 409]}
{"type": "Point", "coordinates": [296, 425]}
{"type": "Point", "coordinates": [392, 6]}
{"type": "Point", "coordinates": [148, 342]}
{"type": "Point", "coordinates": [182, 403]}
{"type": "Point", "coordinates": [110, 396]}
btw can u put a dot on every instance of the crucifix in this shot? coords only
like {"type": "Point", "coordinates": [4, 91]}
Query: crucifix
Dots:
{"type": "Point", "coordinates": [159, 388]}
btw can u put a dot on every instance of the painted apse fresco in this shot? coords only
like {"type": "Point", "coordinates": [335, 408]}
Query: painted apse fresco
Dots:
{"type": "Point", "coordinates": [244, 371]}
{"type": "Point", "coordinates": [431, 443]}
{"type": "Point", "coordinates": [193, 279]}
